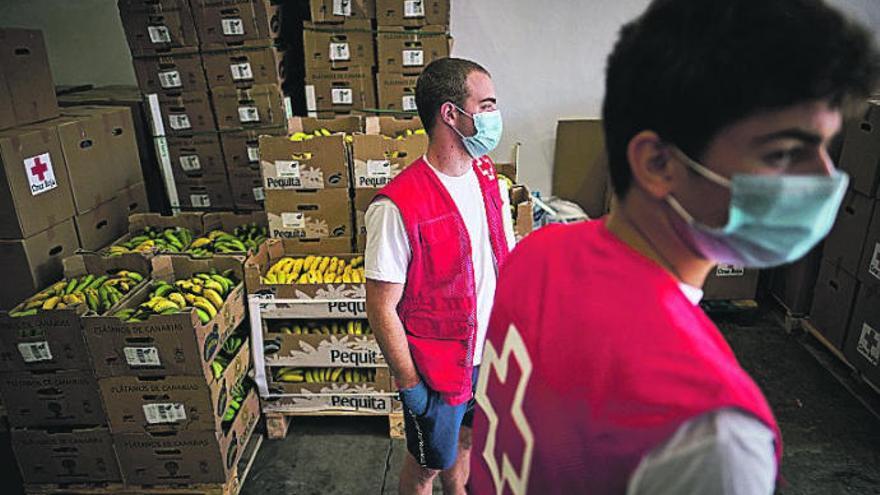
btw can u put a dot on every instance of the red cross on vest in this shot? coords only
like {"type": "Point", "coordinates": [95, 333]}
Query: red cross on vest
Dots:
{"type": "Point", "coordinates": [39, 169]}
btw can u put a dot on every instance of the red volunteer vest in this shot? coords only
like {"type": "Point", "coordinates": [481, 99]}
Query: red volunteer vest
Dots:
{"type": "Point", "coordinates": [438, 308]}
{"type": "Point", "coordinates": [593, 358]}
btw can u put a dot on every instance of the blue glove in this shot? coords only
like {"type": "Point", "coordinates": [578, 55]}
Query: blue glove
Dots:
{"type": "Point", "coordinates": [415, 398]}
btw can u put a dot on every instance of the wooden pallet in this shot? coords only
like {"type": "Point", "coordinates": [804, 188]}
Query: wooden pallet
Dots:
{"type": "Point", "coordinates": [790, 320]}
{"type": "Point", "coordinates": [231, 487]}
{"type": "Point", "coordinates": [277, 424]}
{"type": "Point", "coordinates": [808, 326]}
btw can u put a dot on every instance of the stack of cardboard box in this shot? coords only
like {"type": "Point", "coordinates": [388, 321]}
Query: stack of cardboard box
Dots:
{"type": "Point", "coordinates": [52, 202]}
{"type": "Point", "coordinates": [410, 35]}
{"type": "Point", "coordinates": [213, 74]}
{"type": "Point", "coordinates": [846, 302]}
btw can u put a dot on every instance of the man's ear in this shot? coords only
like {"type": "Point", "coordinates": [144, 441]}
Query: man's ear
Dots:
{"type": "Point", "coordinates": [448, 113]}
{"type": "Point", "coordinates": [650, 164]}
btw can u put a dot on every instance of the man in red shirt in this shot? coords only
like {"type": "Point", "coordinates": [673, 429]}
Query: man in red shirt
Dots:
{"type": "Point", "coordinates": [600, 373]}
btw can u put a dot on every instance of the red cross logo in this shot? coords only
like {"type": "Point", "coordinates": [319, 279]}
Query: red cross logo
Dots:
{"type": "Point", "coordinates": [39, 169]}
{"type": "Point", "coordinates": [509, 440]}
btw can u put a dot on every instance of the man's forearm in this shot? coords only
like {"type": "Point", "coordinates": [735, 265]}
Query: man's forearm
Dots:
{"type": "Point", "coordinates": [391, 336]}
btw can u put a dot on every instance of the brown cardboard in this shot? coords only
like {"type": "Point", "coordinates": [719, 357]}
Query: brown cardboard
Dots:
{"type": "Point", "coordinates": [183, 345]}
{"type": "Point", "coordinates": [274, 249]}
{"type": "Point", "coordinates": [244, 67]}
{"type": "Point", "coordinates": [381, 384]}
{"type": "Point", "coordinates": [35, 262]}
{"type": "Point", "coordinates": [348, 124]}
{"type": "Point", "coordinates": [66, 456]}
{"type": "Point", "coordinates": [157, 26]}
{"type": "Point", "coordinates": [186, 113]}
{"type": "Point", "coordinates": [361, 201]}
{"type": "Point", "coordinates": [52, 398]}
{"type": "Point", "coordinates": [847, 238]}
{"type": "Point", "coordinates": [241, 149]}
{"type": "Point", "coordinates": [188, 457]}
{"type": "Point", "coordinates": [331, 351]}
{"type": "Point", "coordinates": [256, 106]}
{"type": "Point", "coordinates": [27, 204]}
{"type": "Point", "coordinates": [191, 220]}
{"type": "Point", "coordinates": [359, 404]}
{"type": "Point", "coordinates": [335, 46]}
{"type": "Point", "coordinates": [228, 23]}
{"type": "Point", "coordinates": [833, 302]}
{"type": "Point", "coordinates": [392, 126]}
{"type": "Point", "coordinates": [133, 200]}
{"type": "Point", "coordinates": [397, 91]}
{"type": "Point", "coordinates": [248, 192]}
{"type": "Point", "coordinates": [191, 403]}
{"type": "Point", "coordinates": [177, 70]}
{"type": "Point", "coordinates": [120, 161]}
{"type": "Point", "coordinates": [862, 345]}
{"type": "Point", "coordinates": [339, 11]}
{"type": "Point", "coordinates": [793, 284]}
{"type": "Point", "coordinates": [410, 50]}
{"type": "Point", "coordinates": [100, 226]}
{"type": "Point", "coordinates": [731, 283]}
{"type": "Point", "coordinates": [580, 167]}
{"type": "Point", "coordinates": [341, 91]}
{"type": "Point", "coordinates": [869, 267]}
{"type": "Point", "coordinates": [309, 214]}
{"type": "Point", "coordinates": [861, 150]}
{"type": "Point", "coordinates": [27, 93]}
{"type": "Point", "coordinates": [317, 163]}
{"type": "Point", "coordinates": [211, 193]}
{"type": "Point", "coordinates": [376, 159]}
{"type": "Point", "coordinates": [228, 221]}
{"type": "Point", "coordinates": [197, 156]}
{"type": "Point", "coordinates": [523, 220]}
{"type": "Point", "coordinates": [412, 12]}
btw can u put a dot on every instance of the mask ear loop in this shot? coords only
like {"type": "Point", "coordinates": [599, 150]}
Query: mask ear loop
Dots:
{"type": "Point", "coordinates": [698, 168]}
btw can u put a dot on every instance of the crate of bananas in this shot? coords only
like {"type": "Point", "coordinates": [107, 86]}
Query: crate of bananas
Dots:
{"type": "Point", "coordinates": [237, 397]}
{"type": "Point", "coordinates": [319, 327]}
{"type": "Point", "coordinates": [243, 239]}
{"type": "Point", "coordinates": [315, 269]}
{"type": "Point", "coordinates": [227, 353]}
{"type": "Point", "coordinates": [95, 293]}
{"type": "Point", "coordinates": [154, 240]}
{"type": "Point", "coordinates": [203, 293]}
{"type": "Point", "coordinates": [325, 375]}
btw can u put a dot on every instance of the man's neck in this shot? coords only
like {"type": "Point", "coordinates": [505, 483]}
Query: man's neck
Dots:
{"type": "Point", "coordinates": [643, 224]}
{"type": "Point", "coordinates": [448, 158]}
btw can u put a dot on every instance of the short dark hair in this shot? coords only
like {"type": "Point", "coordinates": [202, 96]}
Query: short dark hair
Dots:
{"type": "Point", "coordinates": [687, 69]}
{"type": "Point", "coordinates": [443, 80]}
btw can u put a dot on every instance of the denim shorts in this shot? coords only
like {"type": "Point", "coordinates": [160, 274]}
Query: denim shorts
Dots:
{"type": "Point", "coordinates": [432, 426]}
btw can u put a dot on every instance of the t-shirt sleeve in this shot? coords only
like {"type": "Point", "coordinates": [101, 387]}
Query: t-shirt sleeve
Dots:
{"type": "Point", "coordinates": [727, 452]}
{"type": "Point", "coordinates": [388, 252]}
{"type": "Point", "coordinates": [505, 213]}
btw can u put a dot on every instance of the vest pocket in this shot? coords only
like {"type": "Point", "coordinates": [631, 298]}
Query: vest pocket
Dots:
{"type": "Point", "coordinates": [442, 244]}
{"type": "Point", "coordinates": [436, 325]}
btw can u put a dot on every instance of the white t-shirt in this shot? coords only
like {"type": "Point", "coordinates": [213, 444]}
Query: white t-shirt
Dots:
{"type": "Point", "coordinates": [388, 251]}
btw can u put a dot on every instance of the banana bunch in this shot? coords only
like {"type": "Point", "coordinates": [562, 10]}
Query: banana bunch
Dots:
{"type": "Point", "coordinates": [98, 293]}
{"type": "Point", "coordinates": [304, 136]}
{"type": "Point", "coordinates": [227, 352]}
{"type": "Point", "coordinates": [407, 133]}
{"type": "Point", "coordinates": [169, 240]}
{"type": "Point", "coordinates": [315, 270]}
{"type": "Point", "coordinates": [243, 239]}
{"type": "Point", "coordinates": [351, 327]}
{"type": "Point", "coordinates": [239, 393]}
{"type": "Point", "coordinates": [203, 292]}
{"type": "Point", "coordinates": [325, 375]}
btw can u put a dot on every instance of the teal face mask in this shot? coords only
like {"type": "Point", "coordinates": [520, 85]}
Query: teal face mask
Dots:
{"type": "Point", "coordinates": [773, 220]}
{"type": "Point", "coordinates": [489, 129]}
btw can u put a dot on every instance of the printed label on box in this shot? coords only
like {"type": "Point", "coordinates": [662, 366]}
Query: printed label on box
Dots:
{"type": "Point", "coordinates": [232, 27]}
{"type": "Point", "coordinates": [342, 96]}
{"type": "Point", "coordinates": [170, 79]}
{"type": "Point", "coordinates": [40, 173]}
{"type": "Point", "coordinates": [413, 58]}
{"type": "Point", "coordinates": [413, 8]}
{"type": "Point", "coordinates": [164, 413]}
{"type": "Point", "coordinates": [159, 34]}
{"type": "Point", "coordinates": [342, 7]}
{"type": "Point", "coordinates": [869, 344]}
{"type": "Point", "coordinates": [723, 270]}
{"type": "Point", "coordinates": [339, 51]}
{"type": "Point", "coordinates": [190, 163]}
{"type": "Point", "coordinates": [248, 114]}
{"type": "Point", "coordinates": [409, 103]}
{"type": "Point", "coordinates": [142, 356]}
{"type": "Point", "coordinates": [33, 352]}
{"type": "Point", "coordinates": [288, 169]}
{"type": "Point", "coordinates": [295, 220]}
{"type": "Point", "coordinates": [259, 195]}
{"type": "Point", "coordinates": [253, 153]}
{"type": "Point", "coordinates": [874, 268]}
{"type": "Point", "coordinates": [200, 200]}
{"type": "Point", "coordinates": [179, 121]}
{"type": "Point", "coordinates": [377, 169]}
{"type": "Point", "coordinates": [241, 72]}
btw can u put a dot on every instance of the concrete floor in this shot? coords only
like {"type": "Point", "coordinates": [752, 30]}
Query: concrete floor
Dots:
{"type": "Point", "coordinates": [832, 440]}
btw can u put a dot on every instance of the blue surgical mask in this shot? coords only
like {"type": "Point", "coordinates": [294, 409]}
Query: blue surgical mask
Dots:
{"type": "Point", "coordinates": [489, 129]}
{"type": "Point", "coordinates": [772, 220]}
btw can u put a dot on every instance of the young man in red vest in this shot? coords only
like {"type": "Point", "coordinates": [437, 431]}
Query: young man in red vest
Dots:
{"type": "Point", "coordinates": [435, 238]}
{"type": "Point", "coordinates": [601, 375]}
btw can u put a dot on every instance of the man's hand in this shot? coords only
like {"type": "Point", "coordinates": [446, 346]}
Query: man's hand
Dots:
{"type": "Point", "coordinates": [382, 301]}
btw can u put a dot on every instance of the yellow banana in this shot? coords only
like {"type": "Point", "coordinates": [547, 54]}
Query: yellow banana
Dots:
{"type": "Point", "coordinates": [212, 296]}
{"type": "Point", "coordinates": [206, 306]}
{"type": "Point", "coordinates": [51, 303]}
